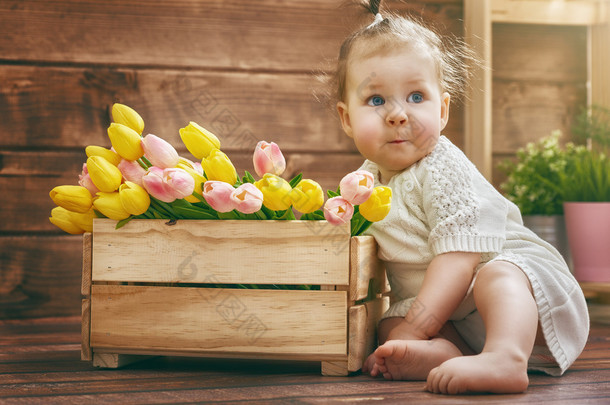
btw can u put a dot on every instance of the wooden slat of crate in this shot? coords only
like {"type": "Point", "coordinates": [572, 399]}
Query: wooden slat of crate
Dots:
{"type": "Point", "coordinates": [257, 252]}
{"type": "Point", "coordinates": [364, 267]}
{"type": "Point", "coordinates": [244, 323]}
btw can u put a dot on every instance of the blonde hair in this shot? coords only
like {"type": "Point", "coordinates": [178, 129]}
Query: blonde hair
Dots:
{"type": "Point", "coordinates": [452, 57]}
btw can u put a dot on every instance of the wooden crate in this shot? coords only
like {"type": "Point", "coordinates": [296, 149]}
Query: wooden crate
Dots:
{"type": "Point", "coordinates": [168, 288]}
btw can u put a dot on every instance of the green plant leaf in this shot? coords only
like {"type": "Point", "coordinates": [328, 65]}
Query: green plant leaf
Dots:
{"type": "Point", "coordinates": [248, 178]}
{"type": "Point", "coordinates": [193, 213]}
{"type": "Point", "coordinates": [332, 194]}
{"type": "Point", "coordinates": [293, 183]}
{"type": "Point", "coordinates": [123, 222]}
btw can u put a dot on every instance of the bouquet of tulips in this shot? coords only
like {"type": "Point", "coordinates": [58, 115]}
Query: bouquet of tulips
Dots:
{"type": "Point", "coordinates": [144, 177]}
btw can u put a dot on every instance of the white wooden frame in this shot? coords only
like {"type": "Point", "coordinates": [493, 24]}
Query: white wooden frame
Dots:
{"type": "Point", "coordinates": [479, 15]}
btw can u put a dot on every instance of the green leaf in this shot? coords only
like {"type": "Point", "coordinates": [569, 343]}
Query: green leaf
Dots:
{"type": "Point", "coordinates": [248, 178]}
{"type": "Point", "coordinates": [228, 215]}
{"type": "Point", "coordinates": [286, 215]}
{"type": "Point", "coordinates": [260, 215]}
{"type": "Point", "coordinates": [161, 208]}
{"type": "Point", "coordinates": [332, 194]}
{"type": "Point", "coordinates": [193, 213]}
{"type": "Point", "coordinates": [296, 180]}
{"type": "Point", "coordinates": [123, 222]}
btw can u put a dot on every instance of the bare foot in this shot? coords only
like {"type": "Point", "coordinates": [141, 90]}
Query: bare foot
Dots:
{"type": "Point", "coordinates": [486, 372]}
{"type": "Point", "coordinates": [413, 359]}
{"type": "Point", "coordinates": [370, 366]}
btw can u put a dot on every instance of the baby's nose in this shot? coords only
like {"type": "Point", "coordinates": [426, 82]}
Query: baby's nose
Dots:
{"type": "Point", "coordinates": [397, 117]}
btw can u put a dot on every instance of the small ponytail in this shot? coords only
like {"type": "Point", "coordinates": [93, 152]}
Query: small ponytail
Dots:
{"type": "Point", "coordinates": [373, 6]}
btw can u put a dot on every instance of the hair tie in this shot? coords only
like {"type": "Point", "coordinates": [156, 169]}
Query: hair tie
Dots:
{"type": "Point", "coordinates": [378, 19]}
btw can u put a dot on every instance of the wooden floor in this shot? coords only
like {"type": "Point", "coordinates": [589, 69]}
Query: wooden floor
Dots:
{"type": "Point", "coordinates": [40, 363]}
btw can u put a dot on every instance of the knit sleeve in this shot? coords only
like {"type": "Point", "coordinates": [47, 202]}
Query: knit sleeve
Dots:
{"type": "Point", "coordinates": [463, 213]}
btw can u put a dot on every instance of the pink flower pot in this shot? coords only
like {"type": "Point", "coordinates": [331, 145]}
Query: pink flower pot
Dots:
{"type": "Point", "coordinates": [588, 228]}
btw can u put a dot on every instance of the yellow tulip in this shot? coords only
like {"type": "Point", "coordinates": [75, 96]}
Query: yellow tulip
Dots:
{"type": "Point", "coordinates": [125, 141]}
{"type": "Point", "coordinates": [106, 176]}
{"type": "Point", "coordinates": [62, 218]}
{"type": "Point", "coordinates": [109, 155]}
{"type": "Point", "coordinates": [198, 140]}
{"type": "Point", "coordinates": [83, 220]}
{"type": "Point", "coordinates": [134, 198]}
{"type": "Point", "coordinates": [307, 196]}
{"type": "Point", "coordinates": [276, 192]}
{"type": "Point", "coordinates": [378, 205]}
{"type": "Point", "coordinates": [127, 116]}
{"type": "Point", "coordinates": [72, 198]}
{"type": "Point", "coordinates": [109, 204]}
{"type": "Point", "coordinates": [217, 166]}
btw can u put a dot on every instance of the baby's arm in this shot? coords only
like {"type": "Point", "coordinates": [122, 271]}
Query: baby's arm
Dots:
{"type": "Point", "coordinates": [445, 285]}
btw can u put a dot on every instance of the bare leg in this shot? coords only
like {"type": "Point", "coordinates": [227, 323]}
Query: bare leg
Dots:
{"type": "Point", "coordinates": [504, 299]}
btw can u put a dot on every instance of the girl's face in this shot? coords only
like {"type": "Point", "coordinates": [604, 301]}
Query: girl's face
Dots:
{"type": "Point", "coordinates": [394, 108]}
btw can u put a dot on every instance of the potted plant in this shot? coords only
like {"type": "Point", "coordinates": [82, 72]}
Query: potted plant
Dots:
{"type": "Point", "coordinates": [532, 184]}
{"type": "Point", "coordinates": [585, 188]}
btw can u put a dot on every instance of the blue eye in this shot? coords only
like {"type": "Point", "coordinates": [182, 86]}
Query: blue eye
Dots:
{"type": "Point", "coordinates": [376, 101]}
{"type": "Point", "coordinates": [415, 98]}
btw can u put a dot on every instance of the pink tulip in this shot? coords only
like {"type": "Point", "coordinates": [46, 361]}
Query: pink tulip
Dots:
{"type": "Point", "coordinates": [247, 198]}
{"type": "Point", "coordinates": [180, 181]}
{"type": "Point", "coordinates": [338, 210]}
{"type": "Point", "coordinates": [169, 184]}
{"type": "Point", "coordinates": [356, 187]}
{"type": "Point", "coordinates": [132, 171]}
{"type": "Point", "coordinates": [218, 195]}
{"type": "Point", "coordinates": [153, 182]}
{"type": "Point", "coordinates": [159, 152]}
{"type": "Point", "coordinates": [85, 180]}
{"type": "Point", "coordinates": [268, 158]}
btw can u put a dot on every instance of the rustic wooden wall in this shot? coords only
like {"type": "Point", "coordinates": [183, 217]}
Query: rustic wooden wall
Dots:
{"type": "Point", "coordinates": [244, 69]}
{"type": "Point", "coordinates": [247, 70]}
{"type": "Point", "coordinates": [539, 84]}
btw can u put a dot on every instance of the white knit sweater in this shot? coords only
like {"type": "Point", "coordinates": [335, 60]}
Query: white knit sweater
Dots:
{"type": "Point", "coordinates": [443, 204]}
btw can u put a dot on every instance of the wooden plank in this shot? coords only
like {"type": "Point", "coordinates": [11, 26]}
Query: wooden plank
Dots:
{"type": "Point", "coordinates": [219, 321]}
{"type": "Point", "coordinates": [478, 106]}
{"type": "Point", "coordinates": [258, 252]}
{"type": "Point", "coordinates": [364, 267]}
{"type": "Point", "coordinates": [573, 12]}
{"type": "Point", "coordinates": [85, 350]}
{"type": "Point", "coordinates": [334, 368]}
{"type": "Point", "coordinates": [540, 53]}
{"type": "Point", "coordinates": [527, 111]}
{"type": "Point", "coordinates": [114, 360]}
{"type": "Point", "coordinates": [214, 34]}
{"type": "Point", "coordinates": [363, 321]}
{"type": "Point", "coordinates": [85, 288]}
{"type": "Point", "coordinates": [69, 107]}
{"type": "Point", "coordinates": [40, 276]}
{"type": "Point", "coordinates": [599, 59]}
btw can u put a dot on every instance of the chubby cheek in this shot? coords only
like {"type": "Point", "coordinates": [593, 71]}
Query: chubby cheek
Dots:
{"type": "Point", "coordinates": [366, 126]}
